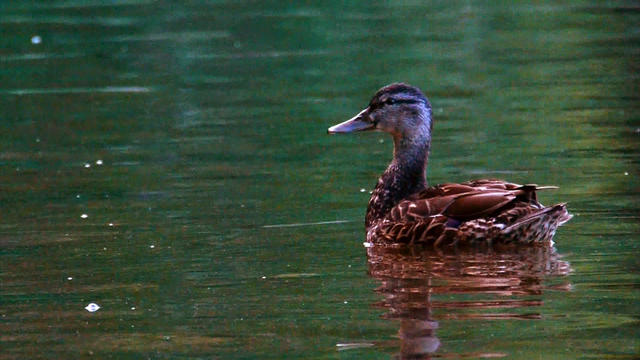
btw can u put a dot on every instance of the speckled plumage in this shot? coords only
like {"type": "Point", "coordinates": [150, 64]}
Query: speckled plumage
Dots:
{"type": "Point", "coordinates": [403, 209]}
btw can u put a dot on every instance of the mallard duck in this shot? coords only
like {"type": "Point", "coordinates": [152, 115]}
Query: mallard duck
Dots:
{"type": "Point", "coordinates": [403, 209]}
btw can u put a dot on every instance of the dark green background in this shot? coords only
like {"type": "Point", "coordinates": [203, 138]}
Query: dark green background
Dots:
{"type": "Point", "coordinates": [210, 118]}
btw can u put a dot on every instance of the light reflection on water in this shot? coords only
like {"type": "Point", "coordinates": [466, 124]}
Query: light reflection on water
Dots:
{"type": "Point", "coordinates": [419, 287]}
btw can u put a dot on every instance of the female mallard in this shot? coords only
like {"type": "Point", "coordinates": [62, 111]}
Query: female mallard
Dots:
{"type": "Point", "coordinates": [402, 209]}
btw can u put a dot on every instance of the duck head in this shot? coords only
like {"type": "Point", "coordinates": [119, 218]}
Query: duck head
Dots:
{"type": "Point", "coordinates": [398, 109]}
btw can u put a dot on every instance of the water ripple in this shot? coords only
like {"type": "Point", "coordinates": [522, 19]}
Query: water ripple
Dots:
{"type": "Point", "coordinates": [266, 54]}
{"type": "Point", "coordinates": [181, 36]}
{"type": "Point", "coordinates": [79, 90]}
{"type": "Point", "coordinates": [69, 20]}
{"type": "Point", "coordinates": [39, 56]}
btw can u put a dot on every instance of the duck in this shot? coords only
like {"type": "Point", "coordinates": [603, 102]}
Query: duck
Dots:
{"type": "Point", "coordinates": [403, 209]}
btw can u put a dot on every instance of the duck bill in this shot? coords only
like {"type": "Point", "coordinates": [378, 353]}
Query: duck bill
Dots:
{"type": "Point", "coordinates": [356, 123]}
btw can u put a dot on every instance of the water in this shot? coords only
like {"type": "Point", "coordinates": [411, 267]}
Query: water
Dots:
{"type": "Point", "coordinates": [169, 163]}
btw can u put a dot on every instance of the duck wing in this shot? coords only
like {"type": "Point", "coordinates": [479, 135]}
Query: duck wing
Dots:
{"type": "Point", "coordinates": [437, 212]}
{"type": "Point", "coordinates": [465, 201]}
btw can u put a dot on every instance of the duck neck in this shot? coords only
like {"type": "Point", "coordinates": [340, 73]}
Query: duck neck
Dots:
{"type": "Point", "coordinates": [404, 176]}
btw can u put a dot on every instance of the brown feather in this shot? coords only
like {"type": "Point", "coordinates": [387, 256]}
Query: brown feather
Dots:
{"type": "Point", "coordinates": [480, 210]}
{"type": "Point", "coordinates": [477, 204]}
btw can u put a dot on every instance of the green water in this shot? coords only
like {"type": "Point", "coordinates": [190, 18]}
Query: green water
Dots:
{"type": "Point", "coordinates": [169, 162]}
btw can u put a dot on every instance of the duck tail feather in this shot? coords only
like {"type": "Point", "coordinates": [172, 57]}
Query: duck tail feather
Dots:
{"type": "Point", "coordinates": [557, 213]}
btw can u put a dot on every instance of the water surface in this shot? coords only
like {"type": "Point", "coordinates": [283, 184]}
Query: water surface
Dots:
{"type": "Point", "coordinates": [169, 162]}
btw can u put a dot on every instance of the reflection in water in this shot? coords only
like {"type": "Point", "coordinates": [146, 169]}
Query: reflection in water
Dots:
{"type": "Point", "coordinates": [489, 284]}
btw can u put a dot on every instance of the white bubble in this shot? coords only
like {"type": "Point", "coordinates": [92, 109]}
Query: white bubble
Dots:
{"type": "Point", "coordinates": [69, 278]}
{"type": "Point", "coordinates": [363, 190]}
{"type": "Point", "coordinates": [98, 162]}
{"type": "Point", "coordinates": [152, 246]}
{"type": "Point", "coordinates": [84, 216]}
{"type": "Point", "coordinates": [36, 39]}
{"type": "Point", "coordinates": [92, 307]}
{"type": "Point", "coordinates": [110, 224]}
{"type": "Point", "coordinates": [87, 165]}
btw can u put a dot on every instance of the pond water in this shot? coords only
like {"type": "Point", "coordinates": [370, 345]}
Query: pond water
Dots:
{"type": "Point", "coordinates": [168, 162]}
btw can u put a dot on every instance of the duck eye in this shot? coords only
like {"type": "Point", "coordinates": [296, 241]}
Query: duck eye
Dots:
{"type": "Point", "coordinates": [390, 101]}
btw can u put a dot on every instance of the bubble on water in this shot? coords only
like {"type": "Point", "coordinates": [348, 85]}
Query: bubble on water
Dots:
{"type": "Point", "coordinates": [36, 39]}
{"type": "Point", "coordinates": [98, 162]}
{"type": "Point", "coordinates": [87, 165]}
{"type": "Point", "coordinates": [152, 246]}
{"type": "Point", "coordinates": [84, 216]}
{"type": "Point", "coordinates": [92, 307]}
{"type": "Point", "coordinates": [110, 224]}
{"type": "Point", "coordinates": [69, 278]}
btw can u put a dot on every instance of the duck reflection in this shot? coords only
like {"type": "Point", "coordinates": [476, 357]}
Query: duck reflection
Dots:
{"type": "Point", "coordinates": [496, 283]}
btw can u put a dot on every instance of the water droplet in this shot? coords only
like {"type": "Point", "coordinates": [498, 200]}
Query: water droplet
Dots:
{"type": "Point", "coordinates": [133, 308]}
{"type": "Point", "coordinates": [84, 216]}
{"type": "Point", "coordinates": [110, 224]}
{"type": "Point", "coordinates": [78, 196]}
{"type": "Point", "coordinates": [36, 39]}
{"type": "Point", "coordinates": [626, 173]}
{"type": "Point", "coordinates": [363, 190]}
{"type": "Point", "coordinates": [346, 302]}
{"type": "Point", "coordinates": [98, 162]}
{"type": "Point", "coordinates": [69, 278]}
{"type": "Point", "coordinates": [87, 165]}
{"type": "Point", "coordinates": [264, 277]}
{"type": "Point", "coordinates": [152, 246]}
{"type": "Point", "coordinates": [92, 307]}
